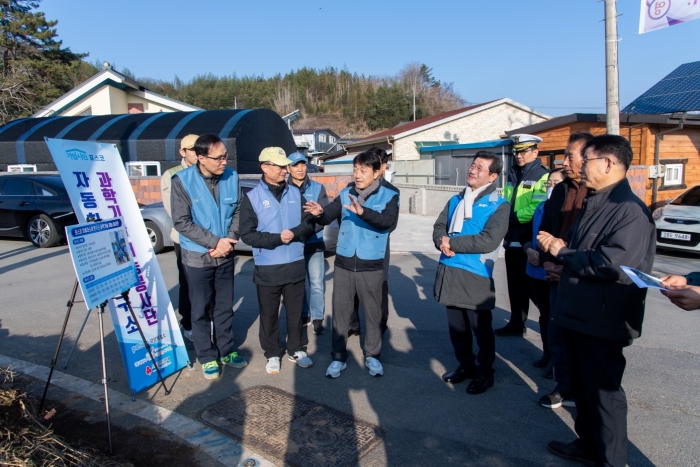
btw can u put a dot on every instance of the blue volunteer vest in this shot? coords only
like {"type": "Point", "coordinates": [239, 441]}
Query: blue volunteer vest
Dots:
{"type": "Point", "coordinates": [476, 263]}
{"type": "Point", "coordinates": [356, 237]}
{"type": "Point", "coordinates": [274, 217]}
{"type": "Point", "coordinates": [536, 272]}
{"type": "Point", "coordinates": [311, 193]}
{"type": "Point", "coordinates": [205, 212]}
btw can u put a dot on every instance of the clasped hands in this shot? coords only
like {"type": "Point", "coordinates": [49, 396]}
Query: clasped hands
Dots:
{"type": "Point", "coordinates": [445, 247]}
{"type": "Point", "coordinates": [223, 247]}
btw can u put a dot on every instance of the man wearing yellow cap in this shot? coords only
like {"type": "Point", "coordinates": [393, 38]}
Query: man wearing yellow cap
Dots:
{"type": "Point", "coordinates": [189, 158]}
{"type": "Point", "coordinates": [525, 190]}
{"type": "Point", "coordinates": [274, 225]}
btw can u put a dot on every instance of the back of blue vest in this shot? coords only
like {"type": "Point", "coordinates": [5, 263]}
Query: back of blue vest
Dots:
{"type": "Point", "coordinates": [356, 237]}
{"type": "Point", "coordinates": [476, 263]}
{"type": "Point", "coordinates": [206, 213]}
{"type": "Point", "coordinates": [536, 272]}
{"type": "Point", "coordinates": [274, 217]}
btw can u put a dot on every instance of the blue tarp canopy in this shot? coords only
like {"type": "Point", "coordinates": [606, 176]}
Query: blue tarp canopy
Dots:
{"type": "Point", "coordinates": [483, 144]}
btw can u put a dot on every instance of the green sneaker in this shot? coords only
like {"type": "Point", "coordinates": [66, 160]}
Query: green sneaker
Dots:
{"type": "Point", "coordinates": [210, 370]}
{"type": "Point", "coordinates": [234, 360]}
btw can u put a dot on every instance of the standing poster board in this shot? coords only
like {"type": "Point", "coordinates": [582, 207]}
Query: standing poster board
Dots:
{"type": "Point", "coordinates": [99, 190]}
{"type": "Point", "coordinates": [102, 260]}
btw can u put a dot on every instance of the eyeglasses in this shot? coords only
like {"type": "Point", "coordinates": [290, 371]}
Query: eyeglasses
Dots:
{"type": "Point", "coordinates": [523, 151]}
{"type": "Point", "coordinates": [477, 169]}
{"type": "Point", "coordinates": [586, 159]}
{"type": "Point", "coordinates": [218, 159]}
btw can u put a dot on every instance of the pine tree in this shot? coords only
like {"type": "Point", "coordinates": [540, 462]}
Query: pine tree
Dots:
{"type": "Point", "coordinates": [34, 68]}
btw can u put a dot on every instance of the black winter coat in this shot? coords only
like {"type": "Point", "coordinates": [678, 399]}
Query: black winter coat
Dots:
{"type": "Point", "coordinates": [595, 297]}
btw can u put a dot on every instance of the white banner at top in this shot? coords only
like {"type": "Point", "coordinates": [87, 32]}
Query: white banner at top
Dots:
{"type": "Point", "coordinates": [659, 14]}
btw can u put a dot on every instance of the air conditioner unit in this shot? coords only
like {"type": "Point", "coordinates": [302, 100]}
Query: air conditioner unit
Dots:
{"type": "Point", "coordinates": [21, 168]}
{"type": "Point", "coordinates": [657, 171]}
{"type": "Point", "coordinates": [143, 169]}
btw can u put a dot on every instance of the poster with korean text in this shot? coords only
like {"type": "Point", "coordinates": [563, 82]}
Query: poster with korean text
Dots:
{"type": "Point", "coordinates": [99, 189]}
{"type": "Point", "coordinates": [102, 260]}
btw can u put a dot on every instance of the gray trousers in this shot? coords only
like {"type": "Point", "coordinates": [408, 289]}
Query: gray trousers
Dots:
{"type": "Point", "coordinates": [367, 285]}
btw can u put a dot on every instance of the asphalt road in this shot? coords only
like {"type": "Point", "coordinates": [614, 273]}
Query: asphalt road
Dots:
{"type": "Point", "coordinates": [427, 422]}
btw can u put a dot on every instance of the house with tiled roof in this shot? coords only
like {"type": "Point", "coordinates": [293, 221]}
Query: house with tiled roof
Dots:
{"type": "Point", "coordinates": [479, 122]}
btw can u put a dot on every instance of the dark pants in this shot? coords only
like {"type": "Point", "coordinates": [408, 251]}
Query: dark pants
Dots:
{"type": "Point", "coordinates": [540, 293]}
{"type": "Point", "coordinates": [596, 367]}
{"type": "Point", "coordinates": [518, 287]}
{"type": "Point", "coordinates": [557, 346]}
{"type": "Point", "coordinates": [184, 306]}
{"type": "Point", "coordinates": [269, 303]}
{"type": "Point", "coordinates": [203, 283]}
{"type": "Point", "coordinates": [355, 319]}
{"type": "Point", "coordinates": [462, 323]}
{"type": "Point", "coordinates": [367, 286]}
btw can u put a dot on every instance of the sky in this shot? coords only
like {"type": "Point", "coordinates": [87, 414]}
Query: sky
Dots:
{"type": "Point", "coordinates": [546, 54]}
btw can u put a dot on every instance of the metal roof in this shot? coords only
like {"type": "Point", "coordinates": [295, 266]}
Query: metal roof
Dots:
{"type": "Point", "coordinates": [483, 144]}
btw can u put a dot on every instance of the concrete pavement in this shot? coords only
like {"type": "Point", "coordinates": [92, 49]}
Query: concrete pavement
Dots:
{"type": "Point", "coordinates": [426, 421]}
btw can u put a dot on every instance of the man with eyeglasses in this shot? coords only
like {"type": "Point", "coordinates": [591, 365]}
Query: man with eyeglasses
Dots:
{"type": "Point", "coordinates": [274, 225]}
{"type": "Point", "coordinates": [600, 307]}
{"type": "Point", "coordinates": [560, 214]}
{"type": "Point", "coordinates": [189, 158]}
{"type": "Point", "coordinates": [525, 190]}
{"type": "Point", "coordinates": [205, 205]}
{"type": "Point", "coordinates": [468, 232]}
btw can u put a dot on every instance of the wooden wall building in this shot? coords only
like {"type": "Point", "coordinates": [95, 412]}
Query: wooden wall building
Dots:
{"type": "Point", "coordinates": [679, 149]}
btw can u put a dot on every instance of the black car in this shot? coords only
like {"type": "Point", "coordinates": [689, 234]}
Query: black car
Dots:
{"type": "Point", "coordinates": [35, 206]}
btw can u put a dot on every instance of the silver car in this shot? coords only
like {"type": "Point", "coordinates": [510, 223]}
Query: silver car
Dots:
{"type": "Point", "coordinates": [678, 222]}
{"type": "Point", "coordinates": [158, 225]}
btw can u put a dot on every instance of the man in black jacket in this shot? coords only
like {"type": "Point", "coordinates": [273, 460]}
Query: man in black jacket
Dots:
{"type": "Point", "coordinates": [560, 214]}
{"type": "Point", "coordinates": [598, 304]}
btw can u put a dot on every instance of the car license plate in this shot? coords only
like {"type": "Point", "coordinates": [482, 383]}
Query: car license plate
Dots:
{"type": "Point", "coordinates": [676, 236]}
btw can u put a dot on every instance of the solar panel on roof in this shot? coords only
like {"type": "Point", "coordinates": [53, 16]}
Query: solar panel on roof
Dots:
{"type": "Point", "coordinates": [677, 92]}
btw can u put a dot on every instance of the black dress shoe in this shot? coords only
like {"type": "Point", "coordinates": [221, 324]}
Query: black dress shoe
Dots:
{"type": "Point", "coordinates": [509, 330]}
{"type": "Point", "coordinates": [569, 451]}
{"type": "Point", "coordinates": [480, 384]}
{"type": "Point", "coordinates": [543, 361]}
{"type": "Point", "coordinates": [458, 375]}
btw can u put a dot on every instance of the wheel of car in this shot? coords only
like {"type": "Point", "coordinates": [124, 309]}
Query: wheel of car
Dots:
{"type": "Point", "coordinates": [155, 235]}
{"type": "Point", "coordinates": [42, 231]}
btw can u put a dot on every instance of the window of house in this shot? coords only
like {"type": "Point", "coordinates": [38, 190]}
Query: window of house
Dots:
{"type": "Point", "coordinates": [86, 113]}
{"type": "Point", "coordinates": [135, 108]}
{"type": "Point", "coordinates": [322, 138]}
{"type": "Point", "coordinates": [674, 174]}
{"type": "Point", "coordinates": [331, 139]}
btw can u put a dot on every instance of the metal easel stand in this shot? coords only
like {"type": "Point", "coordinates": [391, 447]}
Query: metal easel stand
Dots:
{"type": "Point", "coordinates": [101, 312]}
{"type": "Point", "coordinates": [125, 296]}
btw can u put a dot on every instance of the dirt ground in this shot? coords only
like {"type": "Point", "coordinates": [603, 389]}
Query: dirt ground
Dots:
{"type": "Point", "coordinates": [83, 426]}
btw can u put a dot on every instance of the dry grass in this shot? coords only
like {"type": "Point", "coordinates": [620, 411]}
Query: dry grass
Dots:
{"type": "Point", "coordinates": [26, 442]}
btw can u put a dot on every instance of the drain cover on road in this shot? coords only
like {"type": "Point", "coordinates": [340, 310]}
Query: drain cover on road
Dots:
{"type": "Point", "coordinates": [299, 431]}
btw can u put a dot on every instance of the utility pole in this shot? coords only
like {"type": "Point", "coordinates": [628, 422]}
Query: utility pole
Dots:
{"type": "Point", "coordinates": [612, 92]}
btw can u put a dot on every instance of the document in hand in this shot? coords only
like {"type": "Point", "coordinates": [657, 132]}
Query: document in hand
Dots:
{"type": "Point", "coordinates": [642, 280]}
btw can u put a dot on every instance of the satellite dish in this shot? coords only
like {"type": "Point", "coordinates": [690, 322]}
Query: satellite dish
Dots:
{"type": "Point", "coordinates": [447, 135]}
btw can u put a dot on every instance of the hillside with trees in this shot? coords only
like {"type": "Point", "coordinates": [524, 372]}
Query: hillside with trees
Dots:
{"type": "Point", "coordinates": [35, 69]}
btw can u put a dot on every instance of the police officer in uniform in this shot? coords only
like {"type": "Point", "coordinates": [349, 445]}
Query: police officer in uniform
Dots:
{"type": "Point", "coordinates": [525, 190]}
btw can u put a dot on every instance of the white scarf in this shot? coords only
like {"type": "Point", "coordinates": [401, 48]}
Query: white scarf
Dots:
{"type": "Point", "coordinates": [464, 208]}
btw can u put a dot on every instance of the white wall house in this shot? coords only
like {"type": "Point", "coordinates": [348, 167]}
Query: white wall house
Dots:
{"type": "Point", "coordinates": [111, 93]}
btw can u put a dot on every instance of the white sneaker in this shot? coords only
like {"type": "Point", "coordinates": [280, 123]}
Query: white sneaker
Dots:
{"type": "Point", "coordinates": [188, 334]}
{"type": "Point", "coordinates": [335, 368]}
{"type": "Point", "coordinates": [273, 365]}
{"type": "Point", "coordinates": [375, 368]}
{"type": "Point", "coordinates": [301, 358]}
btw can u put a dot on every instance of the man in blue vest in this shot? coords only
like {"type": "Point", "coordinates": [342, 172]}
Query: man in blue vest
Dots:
{"type": "Point", "coordinates": [315, 288]}
{"type": "Point", "coordinates": [274, 225]}
{"type": "Point", "coordinates": [367, 210]}
{"type": "Point", "coordinates": [468, 233]}
{"type": "Point", "coordinates": [204, 199]}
